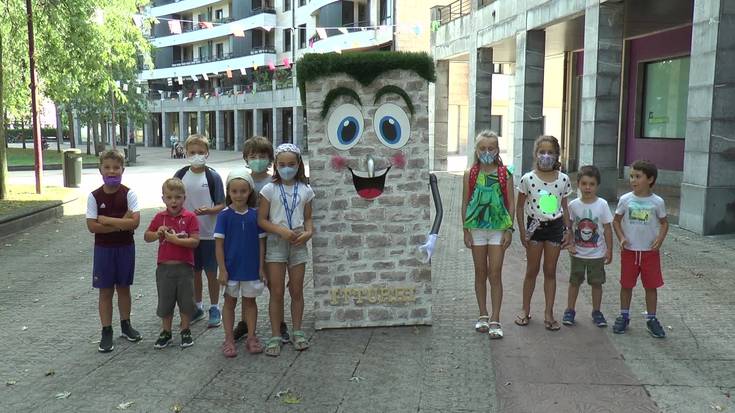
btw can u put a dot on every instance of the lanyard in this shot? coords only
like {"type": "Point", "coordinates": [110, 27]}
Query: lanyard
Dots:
{"type": "Point", "coordinates": [284, 200]}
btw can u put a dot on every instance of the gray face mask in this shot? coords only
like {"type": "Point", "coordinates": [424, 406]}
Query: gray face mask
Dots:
{"type": "Point", "coordinates": [546, 161]}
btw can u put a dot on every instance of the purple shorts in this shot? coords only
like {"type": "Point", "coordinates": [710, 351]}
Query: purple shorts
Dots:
{"type": "Point", "coordinates": [113, 266]}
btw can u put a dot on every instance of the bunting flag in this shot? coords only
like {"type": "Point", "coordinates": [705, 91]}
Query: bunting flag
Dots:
{"type": "Point", "coordinates": [343, 30]}
{"type": "Point", "coordinates": [170, 82]}
{"type": "Point", "coordinates": [242, 71]}
{"type": "Point", "coordinates": [117, 84]}
{"type": "Point", "coordinates": [138, 20]}
{"type": "Point", "coordinates": [255, 67]}
{"type": "Point", "coordinates": [174, 26]}
{"type": "Point", "coordinates": [311, 43]}
{"type": "Point", "coordinates": [322, 32]}
{"type": "Point", "coordinates": [194, 78]}
{"type": "Point", "coordinates": [287, 61]}
{"type": "Point", "coordinates": [229, 73]}
{"type": "Point", "coordinates": [271, 67]}
{"type": "Point", "coordinates": [205, 25]}
{"type": "Point", "coordinates": [417, 29]}
{"type": "Point", "coordinates": [237, 30]}
{"type": "Point", "coordinates": [180, 80]}
{"type": "Point", "coordinates": [125, 87]}
{"type": "Point", "coordinates": [204, 75]}
{"type": "Point", "coordinates": [138, 90]}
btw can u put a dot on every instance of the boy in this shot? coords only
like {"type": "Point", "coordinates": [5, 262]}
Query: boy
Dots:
{"type": "Point", "coordinates": [592, 246]}
{"type": "Point", "coordinates": [641, 226]}
{"type": "Point", "coordinates": [112, 216]}
{"type": "Point", "coordinates": [258, 155]}
{"type": "Point", "coordinates": [177, 231]}
{"type": "Point", "coordinates": [205, 196]}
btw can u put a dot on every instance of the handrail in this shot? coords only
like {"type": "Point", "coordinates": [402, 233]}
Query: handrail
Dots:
{"type": "Point", "coordinates": [453, 11]}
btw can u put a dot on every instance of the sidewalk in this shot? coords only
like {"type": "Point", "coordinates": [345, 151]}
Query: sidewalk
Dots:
{"type": "Point", "coordinates": [49, 315]}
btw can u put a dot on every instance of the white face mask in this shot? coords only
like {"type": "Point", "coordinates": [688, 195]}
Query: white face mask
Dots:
{"type": "Point", "coordinates": [197, 160]}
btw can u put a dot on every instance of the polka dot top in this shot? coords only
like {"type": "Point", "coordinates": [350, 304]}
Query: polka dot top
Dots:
{"type": "Point", "coordinates": [543, 199]}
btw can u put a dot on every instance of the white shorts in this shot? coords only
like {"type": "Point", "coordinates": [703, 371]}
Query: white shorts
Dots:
{"type": "Point", "coordinates": [482, 237]}
{"type": "Point", "coordinates": [248, 289]}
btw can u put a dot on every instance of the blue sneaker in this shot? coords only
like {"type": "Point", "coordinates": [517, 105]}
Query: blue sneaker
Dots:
{"type": "Point", "coordinates": [654, 328]}
{"type": "Point", "coordinates": [568, 319]}
{"type": "Point", "coordinates": [621, 324]}
{"type": "Point", "coordinates": [198, 315]}
{"type": "Point", "coordinates": [215, 317]}
{"type": "Point", "coordinates": [599, 319]}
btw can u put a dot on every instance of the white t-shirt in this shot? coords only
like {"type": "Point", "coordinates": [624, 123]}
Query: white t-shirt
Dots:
{"type": "Point", "coordinates": [588, 222]}
{"type": "Point", "coordinates": [277, 214]}
{"type": "Point", "coordinates": [92, 211]}
{"type": "Point", "coordinates": [641, 217]}
{"type": "Point", "coordinates": [543, 199]}
{"type": "Point", "coordinates": [197, 196]}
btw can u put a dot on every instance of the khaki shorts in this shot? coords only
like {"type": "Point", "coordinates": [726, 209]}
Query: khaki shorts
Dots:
{"type": "Point", "coordinates": [279, 250]}
{"type": "Point", "coordinates": [247, 289]}
{"type": "Point", "coordinates": [175, 284]}
{"type": "Point", "coordinates": [593, 267]}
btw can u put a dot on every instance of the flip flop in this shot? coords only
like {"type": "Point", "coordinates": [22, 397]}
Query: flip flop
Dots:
{"type": "Point", "coordinates": [522, 320]}
{"type": "Point", "coordinates": [552, 325]}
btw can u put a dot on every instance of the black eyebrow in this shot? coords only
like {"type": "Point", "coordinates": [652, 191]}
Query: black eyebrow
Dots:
{"type": "Point", "coordinates": [334, 94]}
{"type": "Point", "coordinates": [396, 90]}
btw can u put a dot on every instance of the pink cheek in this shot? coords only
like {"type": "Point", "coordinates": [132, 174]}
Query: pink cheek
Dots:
{"type": "Point", "coordinates": [398, 160]}
{"type": "Point", "coordinates": [338, 163]}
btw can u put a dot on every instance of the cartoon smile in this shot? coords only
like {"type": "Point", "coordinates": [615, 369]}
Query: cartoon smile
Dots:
{"type": "Point", "coordinates": [369, 185]}
{"type": "Point", "coordinates": [586, 234]}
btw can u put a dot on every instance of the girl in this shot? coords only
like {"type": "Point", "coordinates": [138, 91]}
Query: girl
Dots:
{"type": "Point", "coordinates": [240, 254]}
{"type": "Point", "coordinates": [488, 225]}
{"type": "Point", "coordinates": [542, 205]}
{"type": "Point", "coordinates": [285, 213]}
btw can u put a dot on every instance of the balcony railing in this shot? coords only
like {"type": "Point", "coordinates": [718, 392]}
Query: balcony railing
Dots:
{"type": "Point", "coordinates": [266, 8]}
{"type": "Point", "coordinates": [262, 50]}
{"type": "Point", "coordinates": [203, 59]}
{"type": "Point", "coordinates": [452, 11]}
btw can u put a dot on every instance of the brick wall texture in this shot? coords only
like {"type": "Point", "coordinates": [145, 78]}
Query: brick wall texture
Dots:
{"type": "Point", "coordinates": [366, 270]}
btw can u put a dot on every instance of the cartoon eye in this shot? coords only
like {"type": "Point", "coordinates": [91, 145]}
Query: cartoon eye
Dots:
{"type": "Point", "coordinates": [391, 125]}
{"type": "Point", "coordinates": [345, 126]}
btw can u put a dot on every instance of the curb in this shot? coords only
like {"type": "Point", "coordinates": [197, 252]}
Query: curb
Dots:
{"type": "Point", "coordinates": [52, 167]}
{"type": "Point", "coordinates": [15, 223]}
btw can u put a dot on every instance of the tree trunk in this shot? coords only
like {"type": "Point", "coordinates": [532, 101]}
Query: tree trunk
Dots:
{"type": "Point", "coordinates": [59, 128]}
{"type": "Point", "coordinates": [95, 136]}
{"type": "Point", "coordinates": [3, 152]}
{"type": "Point", "coordinates": [89, 133]}
{"type": "Point", "coordinates": [22, 127]}
{"type": "Point", "coordinates": [72, 127]}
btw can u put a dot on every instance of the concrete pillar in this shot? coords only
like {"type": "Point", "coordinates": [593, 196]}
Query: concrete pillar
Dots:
{"type": "Point", "coordinates": [148, 132]}
{"type": "Point", "coordinates": [77, 128]}
{"type": "Point", "coordinates": [183, 126]}
{"type": "Point", "coordinates": [165, 134]}
{"type": "Point", "coordinates": [374, 16]}
{"type": "Point", "coordinates": [600, 100]}
{"type": "Point", "coordinates": [200, 123]}
{"type": "Point", "coordinates": [298, 127]}
{"type": "Point", "coordinates": [239, 120]}
{"type": "Point", "coordinates": [438, 140]}
{"type": "Point", "coordinates": [708, 190]}
{"type": "Point", "coordinates": [529, 97]}
{"type": "Point", "coordinates": [480, 94]}
{"type": "Point", "coordinates": [277, 127]}
{"type": "Point", "coordinates": [131, 131]}
{"type": "Point", "coordinates": [219, 127]}
{"type": "Point", "coordinates": [257, 122]}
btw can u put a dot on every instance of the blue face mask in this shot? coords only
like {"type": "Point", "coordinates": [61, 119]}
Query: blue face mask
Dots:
{"type": "Point", "coordinates": [287, 173]}
{"type": "Point", "coordinates": [488, 157]}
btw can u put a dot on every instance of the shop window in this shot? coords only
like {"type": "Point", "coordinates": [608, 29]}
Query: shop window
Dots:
{"type": "Point", "coordinates": [664, 92]}
{"type": "Point", "coordinates": [287, 40]}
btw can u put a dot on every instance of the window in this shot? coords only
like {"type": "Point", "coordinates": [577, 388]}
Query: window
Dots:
{"type": "Point", "coordinates": [385, 11]}
{"type": "Point", "coordinates": [203, 53]}
{"type": "Point", "coordinates": [496, 124]}
{"type": "Point", "coordinates": [664, 100]}
{"type": "Point", "coordinates": [302, 3]}
{"type": "Point", "coordinates": [257, 38]}
{"type": "Point", "coordinates": [348, 14]}
{"type": "Point", "coordinates": [497, 68]}
{"type": "Point", "coordinates": [287, 40]}
{"type": "Point", "coordinates": [219, 14]}
{"type": "Point", "coordinates": [286, 5]}
{"type": "Point", "coordinates": [302, 36]}
{"type": "Point", "coordinates": [220, 50]}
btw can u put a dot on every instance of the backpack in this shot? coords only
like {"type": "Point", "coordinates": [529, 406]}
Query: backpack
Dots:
{"type": "Point", "coordinates": [208, 175]}
{"type": "Point", "coordinates": [502, 180]}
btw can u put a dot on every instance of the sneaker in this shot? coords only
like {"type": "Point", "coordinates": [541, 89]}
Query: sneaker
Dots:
{"type": "Point", "coordinates": [129, 332]}
{"type": "Point", "coordinates": [198, 315]}
{"type": "Point", "coordinates": [285, 338]}
{"type": "Point", "coordinates": [215, 317]}
{"type": "Point", "coordinates": [106, 345]}
{"type": "Point", "coordinates": [240, 331]}
{"type": "Point", "coordinates": [621, 324]}
{"type": "Point", "coordinates": [186, 340]}
{"type": "Point", "coordinates": [568, 319]}
{"type": "Point", "coordinates": [654, 328]}
{"type": "Point", "coordinates": [599, 319]}
{"type": "Point", "coordinates": [164, 339]}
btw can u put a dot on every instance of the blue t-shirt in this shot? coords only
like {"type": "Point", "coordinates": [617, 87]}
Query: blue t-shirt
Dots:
{"type": "Point", "coordinates": [241, 233]}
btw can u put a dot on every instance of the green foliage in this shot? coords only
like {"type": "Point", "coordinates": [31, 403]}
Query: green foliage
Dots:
{"type": "Point", "coordinates": [15, 135]}
{"type": "Point", "coordinates": [361, 66]}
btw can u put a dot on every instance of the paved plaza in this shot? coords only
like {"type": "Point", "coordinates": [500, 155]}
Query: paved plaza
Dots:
{"type": "Point", "coordinates": [48, 314]}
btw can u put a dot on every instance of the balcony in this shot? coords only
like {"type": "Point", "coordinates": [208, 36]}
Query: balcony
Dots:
{"type": "Point", "coordinates": [179, 6]}
{"type": "Point", "coordinates": [198, 34]}
{"type": "Point", "coordinates": [216, 64]}
{"type": "Point", "coordinates": [452, 11]}
{"type": "Point", "coordinates": [356, 38]}
{"type": "Point", "coordinates": [203, 59]}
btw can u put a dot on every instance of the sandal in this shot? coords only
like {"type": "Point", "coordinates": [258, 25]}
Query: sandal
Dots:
{"type": "Point", "coordinates": [253, 346]}
{"type": "Point", "coordinates": [273, 347]}
{"type": "Point", "coordinates": [495, 330]}
{"type": "Point", "coordinates": [228, 349]}
{"type": "Point", "coordinates": [522, 320]}
{"type": "Point", "coordinates": [482, 326]}
{"type": "Point", "coordinates": [298, 338]}
{"type": "Point", "coordinates": [552, 325]}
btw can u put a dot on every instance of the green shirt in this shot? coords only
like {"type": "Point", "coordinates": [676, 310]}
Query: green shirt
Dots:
{"type": "Point", "coordinates": [486, 209]}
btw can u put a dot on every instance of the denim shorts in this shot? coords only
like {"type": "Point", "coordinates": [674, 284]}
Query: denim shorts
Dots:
{"type": "Point", "coordinates": [279, 250]}
{"type": "Point", "coordinates": [551, 231]}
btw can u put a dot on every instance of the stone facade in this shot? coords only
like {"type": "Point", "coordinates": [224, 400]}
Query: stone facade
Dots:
{"type": "Point", "coordinates": [366, 266]}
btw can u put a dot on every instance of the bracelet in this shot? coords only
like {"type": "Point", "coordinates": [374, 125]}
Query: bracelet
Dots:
{"type": "Point", "coordinates": [511, 229]}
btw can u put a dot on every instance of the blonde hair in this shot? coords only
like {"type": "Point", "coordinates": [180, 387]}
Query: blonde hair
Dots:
{"type": "Point", "coordinates": [173, 184]}
{"type": "Point", "coordinates": [486, 134]}
{"type": "Point", "coordinates": [554, 142]}
{"type": "Point", "coordinates": [196, 139]}
{"type": "Point", "coordinates": [113, 154]}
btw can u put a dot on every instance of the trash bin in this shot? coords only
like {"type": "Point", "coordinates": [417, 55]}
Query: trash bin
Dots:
{"type": "Point", "coordinates": [130, 154]}
{"type": "Point", "coordinates": [72, 168]}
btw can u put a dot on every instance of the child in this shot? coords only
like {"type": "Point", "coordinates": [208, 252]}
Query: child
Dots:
{"type": "Point", "coordinates": [112, 216]}
{"type": "Point", "coordinates": [177, 233]}
{"type": "Point", "coordinates": [240, 255]}
{"type": "Point", "coordinates": [488, 225]}
{"type": "Point", "coordinates": [542, 205]}
{"type": "Point", "coordinates": [258, 155]}
{"type": "Point", "coordinates": [285, 213]}
{"type": "Point", "coordinates": [205, 196]}
{"type": "Point", "coordinates": [592, 246]}
{"type": "Point", "coordinates": [641, 226]}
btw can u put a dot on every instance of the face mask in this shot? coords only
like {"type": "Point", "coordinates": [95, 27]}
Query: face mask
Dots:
{"type": "Point", "coordinates": [197, 160]}
{"type": "Point", "coordinates": [287, 173]}
{"type": "Point", "coordinates": [488, 157]}
{"type": "Point", "coordinates": [259, 165]}
{"type": "Point", "coordinates": [546, 161]}
{"type": "Point", "coordinates": [112, 180]}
